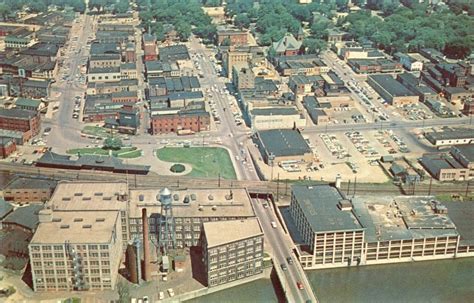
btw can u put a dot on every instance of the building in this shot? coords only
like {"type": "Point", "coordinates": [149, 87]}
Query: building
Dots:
{"type": "Point", "coordinates": [276, 118]}
{"type": "Point", "coordinates": [23, 190]}
{"type": "Point", "coordinates": [338, 232]}
{"type": "Point", "coordinates": [104, 74]}
{"type": "Point", "coordinates": [90, 162]}
{"type": "Point", "coordinates": [370, 66]}
{"type": "Point", "coordinates": [287, 46]}
{"type": "Point", "coordinates": [21, 120]}
{"type": "Point", "coordinates": [93, 196]}
{"type": "Point", "coordinates": [243, 76]}
{"type": "Point", "coordinates": [28, 104]}
{"type": "Point", "coordinates": [7, 147]}
{"type": "Point", "coordinates": [335, 36]}
{"type": "Point", "coordinates": [149, 47]}
{"type": "Point", "coordinates": [464, 154]}
{"type": "Point", "coordinates": [191, 208]}
{"type": "Point", "coordinates": [444, 167]}
{"type": "Point", "coordinates": [76, 251]}
{"type": "Point", "coordinates": [391, 90]}
{"type": "Point", "coordinates": [331, 233]}
{"type": "Point", "coordinates": [232, 37]}
{"type": "Point", "coordinates": [128, 71]}
{"type": "Point", "coordinates": [174, 53]}
{"type": "Point", "coordinates": [233, 58]}
{"type": "Point", "coordinates": [190, 118]}
{"type": "Point", "coordinates": [417, 86]}
{"type": "Point", "coordinates": [410, 63]}
{"type": "Point", "coordinates": [233, 255]}
{"type": "Point", "coordinates": [23, 219]}
{"type": "Point", "coordinates": [283, 145]}
{"type": "Point", "coordinates": [451, 136]}
{"type": "Point", "coordinates": [104, 60]}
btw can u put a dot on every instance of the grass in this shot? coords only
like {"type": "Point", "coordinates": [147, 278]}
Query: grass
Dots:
{"type": "Point", "coordinates": [96, 131]}
{"type": "Point", "coordinates": [125, 152]}
{"type": "Point", "coordinates": [206, 162]}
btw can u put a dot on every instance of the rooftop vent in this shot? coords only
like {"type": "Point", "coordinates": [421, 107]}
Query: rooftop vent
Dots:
{"type": "Point", "coordinates": [201, 208]}
{"type": "Point", "coordinates": [210, 197]}
{"type": "Point", "coordinates": [66, 199]}
{"type": "Point", "coordinates": [78, 194]}
{"type": "Point", "coordinates": [87, 226]}
{"type": "Point", "coordinates": [345, 204]}
{"type": "Point", "coordinates": [186, 199]}
{"type": "Point", "coordinates": [86, 198]}
{"type": "Point", "coordinates": [214, 207]}
{"type": "Point", "coordinates": [64, 226]}
{"type": "Point", "coordinates": [176, 197]}
{"type": "Point", "coordinates": [56, 219]}
{"type": "Point", "coordinates": [193, 197]}
{"type": "Point", "coordinates": [107, 198]}
{"type": "Point", "coordinates": [141, 198]}
{"type": "Point", "coordinates": [100, 220]}
{"type": "Point", "coordinates": [78, 219]}
{"type": "Point", "coordinates": [98, 194]}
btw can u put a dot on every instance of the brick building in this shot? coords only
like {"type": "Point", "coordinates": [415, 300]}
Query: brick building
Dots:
{"type": "Point", "coordinates": [149, 47]}
{"type": "Point", "coordinates": [193, 120]}
{"type": "Point", "coordinates": [29, 190]}
{"type": "Point", "coordinates": [7, 146]}
{"type": "Point", "coordinates": [25, 121]}
{"type": "Point", "coordinates": [233, 37]}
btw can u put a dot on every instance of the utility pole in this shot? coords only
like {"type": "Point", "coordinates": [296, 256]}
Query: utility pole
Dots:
{"type": "Point", "coordinates": [348, 186]}
{"type": "Point", "coordinates": [355, 185]}
{"type": "Point", "coordinates": [429, 188]}
{"type": "Point", "coordinates": [219, 180]}
{"type": "Point", "coordinates": [286, 187]}
{"type": "Point", "coordinates": [278, 186]}
{"type": "Point", "coordinates": [467, 189]}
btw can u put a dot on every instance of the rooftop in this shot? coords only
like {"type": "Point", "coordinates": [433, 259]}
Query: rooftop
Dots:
{"type": "Point", "coordinates": [78, 227]}
{"type": "Point", "coordinates": [462, 213]}
{"type": "Point", "coordinates": [5, 208]}
{"type": "Point", "coordinates": [236, 230]}
{"type": "Point", "coordinates": [451, 134]}
{"type": "Point", "coordinates": [25, 182]}
{"type": "Point", "coordinates": [88, 196]}
{"type": "Point", "coordinates": [283, 142]}
{"type": "Point", "coordinates": [275, 111]}
{"type": "Point", "coordinates": [27, 102]}
{"type": "Point", "coordinates": [17, 113]}
{"type": "Point", "coordinates": [319, 203]}
{"type": "Point", "coordinates": [467, 151]}
{"type": "Point", "coordinates": [401, 218]}
{"type": "Point", "coordinates": [25, 216]}
{"type": "Point", "coordinates": [436, 162]}
{"type": "Point", "coordinates": [195, 202]}
{"type": "Point", "coordinates": [392, 86]}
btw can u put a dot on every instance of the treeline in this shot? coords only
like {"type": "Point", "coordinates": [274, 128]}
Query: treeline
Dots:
{"type": "Point", "coordinates": [8, 8]}
{"type": "Point", "coordinates": [411, 29]}
{"type": "Point", "coordinates": [120, 6]}
{"type": "Point", "coordinates": [186, 16]}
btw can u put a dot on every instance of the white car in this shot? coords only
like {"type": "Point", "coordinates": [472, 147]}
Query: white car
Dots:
{"type": "Point", "coordinates": [161, 295]}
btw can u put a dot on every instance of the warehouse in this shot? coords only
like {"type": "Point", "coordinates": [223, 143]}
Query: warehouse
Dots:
{"type": "Point", "coordinates": [391, 90]}
{"type": "Point", "coordinates": [279, 145]}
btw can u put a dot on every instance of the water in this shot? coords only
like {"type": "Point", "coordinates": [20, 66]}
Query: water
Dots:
{"type": "Point", "coordinates": [431, 281]}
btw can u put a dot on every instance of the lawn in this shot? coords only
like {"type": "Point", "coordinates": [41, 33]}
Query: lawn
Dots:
{"type": "Point", "coordinates": [126, 152]}
{"type": "Point", "coordinates": [207, 162]}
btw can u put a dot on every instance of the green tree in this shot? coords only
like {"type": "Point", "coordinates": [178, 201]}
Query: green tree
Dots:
{"type": "Point", "coordinates": [242, 20]}
{"type": "Point", "coordinates": [112, 143]}
{"type": "Point", "coordinates": [314, 46]}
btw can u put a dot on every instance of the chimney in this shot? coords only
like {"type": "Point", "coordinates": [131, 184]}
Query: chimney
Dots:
{"type": "Point", "coordinates": [45, 215]}
{"type": "Point", "coordinates": [131, 262]}
{"type": "Point", "coordinates": [146, 247]}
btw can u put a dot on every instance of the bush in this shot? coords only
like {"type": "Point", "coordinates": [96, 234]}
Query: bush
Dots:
{"type": "Point", "coordinates": [177, 168]}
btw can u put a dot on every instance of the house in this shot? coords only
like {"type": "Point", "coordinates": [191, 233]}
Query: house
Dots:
{"type": "Point", "coordinates": [232, 37]}
{"type": "Point", "coordinates": [28, 104]}
{"type": "Point", "coordinates": [7, 147]}
{"type": "Point", "coordinates": [287, 46]}
{"type": "Point", "coordinates": [23, 190]}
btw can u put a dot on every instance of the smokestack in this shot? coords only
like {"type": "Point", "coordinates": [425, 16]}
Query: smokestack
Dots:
{"type": "Point", "coordinates": [131, 262]}
{"type": "Point", "coordinates": [146, 247]}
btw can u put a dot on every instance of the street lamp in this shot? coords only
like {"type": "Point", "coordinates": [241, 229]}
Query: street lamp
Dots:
{"type": "Point", "coordinates": [271, 158]}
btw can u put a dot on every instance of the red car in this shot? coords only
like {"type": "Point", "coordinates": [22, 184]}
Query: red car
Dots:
{"type": "Point", "coordinates": [300, 285]}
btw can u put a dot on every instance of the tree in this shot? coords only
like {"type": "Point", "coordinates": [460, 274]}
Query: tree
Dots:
{"type": "Point", "coordinates": [225, 42]}
{"type": "Point", "coordinates": [122, 6]}
{"type": "Point", "coordinates": [112, 143]}
{"type": "Point", "coordinates": [314, 46]}
{"type": "Point", "coordinates": [242, 20]}
{"type": "Point", "coordinates": [4, 11]}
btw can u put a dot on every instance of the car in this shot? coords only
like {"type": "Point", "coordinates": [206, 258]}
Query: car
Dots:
{"type": "Point", "coordinates": [289, 260]}
{"type": "Point", "coordinates": [161, 295]}
{"type": "Point", "coordinates": [283, 267]}
{"type": "Point", "coordinates": [299, 285]}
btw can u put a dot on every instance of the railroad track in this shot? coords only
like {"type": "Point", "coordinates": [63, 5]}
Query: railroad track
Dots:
{"type": "Point", "coordinates": [282, 187]}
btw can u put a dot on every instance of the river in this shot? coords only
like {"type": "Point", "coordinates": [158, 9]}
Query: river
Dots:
{"type": "Point", "coordinates": [430, 281]}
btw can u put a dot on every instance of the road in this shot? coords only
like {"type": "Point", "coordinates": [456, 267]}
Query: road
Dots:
{"type": "Point", "coordinates": [280, 245]}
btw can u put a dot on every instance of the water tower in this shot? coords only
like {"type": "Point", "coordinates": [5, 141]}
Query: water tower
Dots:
{"type": "Point", "coordinates": [166, 231]}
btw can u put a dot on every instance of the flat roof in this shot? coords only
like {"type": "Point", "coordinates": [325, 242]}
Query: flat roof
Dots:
{"type": "Point", "coordinates": [401, 218]}
{"type": "Point", "coordinates": [319, 203]}
{"type": "Point", "coordinates": [78, 227]}
{"type": "Point", "coordinates": [235, 230]}
{"type": "Point", "coordinates": [202, 202]}
{"type": "Point", "coordinates": [17, 113]}
{"type": "Point", "coordinates": [462, 213]}
{"type": "Point", "coordinates": [436, 162]}
{"type": "Point", "coordinates": [283, 142]}
{"type": "Point", "coordinates": [451, 134]}
{"type": "Point", "coordinates": [88, 196]}
{"type": "Point", "coordinates": [275, 111]}
{"type": "Point", "coordinates": [392, 86]}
